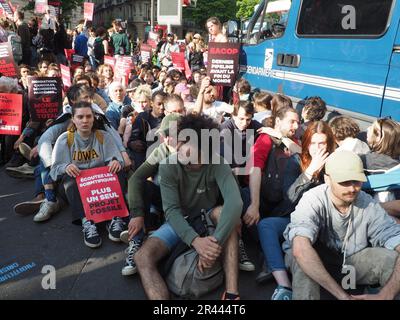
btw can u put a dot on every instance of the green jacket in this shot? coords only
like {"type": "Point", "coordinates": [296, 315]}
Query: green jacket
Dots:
{"type": "Point", "coordinates": [121, 44]}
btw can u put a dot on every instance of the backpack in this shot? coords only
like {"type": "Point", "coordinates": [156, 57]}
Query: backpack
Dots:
{"type": "Point", "coordinates": [16, 45]}
{"type": "Point", "coordinates": [272, 180]}
{"type": "Point", "coordinates": [98, 50]}
{"type": "Point", "coordinates": [184, 278]}
{"type": "Point", "coordinates": [71, 135]}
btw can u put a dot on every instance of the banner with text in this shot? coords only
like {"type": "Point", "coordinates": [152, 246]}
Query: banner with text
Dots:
{"type": "Point", "coordinates": [66, 75]}
{"type": "Point", "coordinates": [45, 98]}
{"type": "Point", "coordinates": [101, 195]}
{"type": "Point", "coordinates": [6, 7]}
{"type": "Point", "coordinates": [145, 52]}
{"type": "Point", "coordinates": [178, 60]}
{"type": "Point", "coordinates": [223, 63]}
{"type": "Point", "coordinates": [40, 6]}
{"type": "Point", "coordinates": [123, 66]}
{"type": "Point", "coordinates": [7, 64]}
{"type": "Point", "coordinates": [10, 113]}
{"type": "Point", "coordinates": [88, 10]}
{"type": "Point", "coordinates": [110, 61]}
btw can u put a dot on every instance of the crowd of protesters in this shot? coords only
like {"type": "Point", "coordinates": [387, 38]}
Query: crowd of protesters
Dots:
{"type": "Point", "coordinates": [298, 193]}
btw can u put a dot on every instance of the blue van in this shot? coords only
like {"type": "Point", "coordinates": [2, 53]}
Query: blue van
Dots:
{"type": "Point", "coordinates": [345, 51]}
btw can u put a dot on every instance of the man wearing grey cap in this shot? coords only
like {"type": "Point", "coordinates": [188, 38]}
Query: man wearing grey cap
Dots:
{"type": "Point", "coordinates": [336, 231]}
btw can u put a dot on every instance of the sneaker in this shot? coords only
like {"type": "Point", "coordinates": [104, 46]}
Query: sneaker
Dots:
{"type": "Point", "coordinates": [90, 235]}
{"type": "Point", "coordinates": [47, 208]}
{"type": "Point", "coordinates": [130, 265]}
{"type": "Point", "coordinates": [15, 161]}
{"type": "Point", "coordinates": [230, 296]}
{"type": "Point", "coordinates": [282, 293]}
{"type": "Point", "coordinates": [124, 236]}
{"type": "Point", "coordinates": [264, 275]}
{"type": "Point", "coordinates": [29, 207]}
{"type": "Point", "coordinates": [115, 227]}
{"type": "Point", "coordinates": [25, 150]}
{"type": "Point", "coordinates": [244, 262]}
{"type": "Point", "coordinates": [24, 171]}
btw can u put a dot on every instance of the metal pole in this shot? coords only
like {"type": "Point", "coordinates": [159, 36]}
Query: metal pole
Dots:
{"type": "Point", "coordinates": [152, 15]}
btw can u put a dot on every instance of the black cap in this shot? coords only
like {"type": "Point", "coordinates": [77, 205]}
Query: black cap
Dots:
{"type": "Point", "coordinates": [170, 34]}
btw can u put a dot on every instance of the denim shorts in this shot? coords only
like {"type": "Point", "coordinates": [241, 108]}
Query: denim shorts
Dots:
{"type": "Point", "coordinates": [168, 235]}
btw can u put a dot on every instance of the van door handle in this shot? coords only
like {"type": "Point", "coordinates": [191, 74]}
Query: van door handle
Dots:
{"type": "Point", "coordinates": [396, 48]}
{"type": "Point", "coordinates": [288, 60]}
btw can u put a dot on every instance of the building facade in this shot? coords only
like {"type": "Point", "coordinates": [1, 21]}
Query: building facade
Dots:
{"type": "Point", "coordinates": [136, 13]}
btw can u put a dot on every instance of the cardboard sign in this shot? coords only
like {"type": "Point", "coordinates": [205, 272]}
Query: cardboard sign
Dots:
{"type": "Point", "coordinates": [6, 7]}
{"type": "Point", "coordinates": [7, 63]}
{"type": "Point", "coordinates": [45, 98]}
{"type": "Point", "coordinates": [56, 5]}
{"type": "Point", "coordinates": [10, 113]}
{"type": "Point", "coordinates": [123, 66]}
{"type": "Point", "coordinates": [88, 10]}
{"type": "Point", "coordinates": [223, 63]}
{"type": "Point", "coordinates": [145, 52]}
{"type": "Point", "coordinates": [152, 40]}
{"type": "Point", "coordinates": [40, 6]}
{"type": "Point", "coordinates": [101, 195]}
{"type": "Point", "coordinates": [110, 61]}
{"type": "Point", "coordinates": [77, 59]}
{"type": "Point", "coordinates": [178, 60]}
{"type": "Point", "coordinates": [66, 75]}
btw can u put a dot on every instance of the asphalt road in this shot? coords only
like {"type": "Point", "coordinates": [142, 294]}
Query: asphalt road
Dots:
{"type": "Point", "coordinates": [81, 272]}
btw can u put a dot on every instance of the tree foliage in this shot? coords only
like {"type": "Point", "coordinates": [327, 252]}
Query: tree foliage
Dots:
{"type": "Point", "coordinates": [245, 8]}
{"type": "Point", "coordinates": [223, 9]}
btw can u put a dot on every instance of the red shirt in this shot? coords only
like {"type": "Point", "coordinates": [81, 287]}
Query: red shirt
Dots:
{"type": "Point", "coordinates": [260, 151]}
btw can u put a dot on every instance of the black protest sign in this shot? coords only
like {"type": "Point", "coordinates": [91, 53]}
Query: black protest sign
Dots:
{"type": "Point", "coordinates": [223, 63]}
{"type": "Point", "coordinates": [7, 63]}
{"type": "Point", "coordinates": [45, 98]}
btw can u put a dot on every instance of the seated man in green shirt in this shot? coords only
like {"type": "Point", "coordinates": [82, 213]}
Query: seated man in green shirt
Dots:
{"type": "Point", "coordinates": [143, 194]}
{"type": "Point", "coordinates": [190, 183]}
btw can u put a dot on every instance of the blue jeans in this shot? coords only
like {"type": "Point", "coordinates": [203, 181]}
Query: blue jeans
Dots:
{"type": "Point", "coordinates": [270, 231]}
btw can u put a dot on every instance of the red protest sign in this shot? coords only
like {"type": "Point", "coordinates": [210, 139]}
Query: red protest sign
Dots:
{"type": "Point", "coordinates": [223, 62]}
{"type": "Point", "coordinates": [110, 61]}
{"type": "Point", "coordinates": [101, 195]}
{"type": "Point", "coordinates": [69, 53]}
{"type": "Point", "coordinates": [178, 60]}
{"type": "Point", "coordinates": [40, 6]}
{"type": "Point", "coordinates": [10, 113]}
{"type": "Point", "coordinates": [45, 98]}
{"type": "Point", "coordinates": [56, 5]}
{"type": "Point", "coordinates": [66, 75]}
{"type": "Point", "coordinates": [7, 64]}
{"type": "Point", "coordinates": [188, 71]}
{"type": "Point", "coordinates": [6, 7]}
{"type": "Point", "coordinates": [123, 66]}
{"type": "Point", "coordinates": [145, 52]}
{"type": "Point", "coordinates": [88, 10]}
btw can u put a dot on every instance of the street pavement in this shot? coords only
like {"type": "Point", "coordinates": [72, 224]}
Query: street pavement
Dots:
{"type": "Point", "coordinates": [81, 272]}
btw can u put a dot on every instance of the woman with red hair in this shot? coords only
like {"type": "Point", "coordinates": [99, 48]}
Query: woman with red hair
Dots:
{"type": "Point", "coordinates": [303, 172]}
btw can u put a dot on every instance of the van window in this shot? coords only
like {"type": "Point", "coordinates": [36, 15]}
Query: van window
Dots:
{"type": "Point", "coordinates": [271, 21]}
{"type": "Point", "coordinates": [343, 18]}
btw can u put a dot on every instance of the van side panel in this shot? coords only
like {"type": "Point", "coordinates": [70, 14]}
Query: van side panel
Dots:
{"type": "Point", "coordinates": [347, 73]}
{"type": "Point", "coordinates": [391, 101]}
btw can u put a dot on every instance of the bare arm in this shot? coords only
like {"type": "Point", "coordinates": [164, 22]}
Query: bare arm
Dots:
{"type": "Point", "coordinates": [311, 264]}
{"type": "Point", "coordinates": [252, 215]}
{"type": "Point", "coordinates": [392, 207]}
{"type": "Point", "coordinates": [198, 107]}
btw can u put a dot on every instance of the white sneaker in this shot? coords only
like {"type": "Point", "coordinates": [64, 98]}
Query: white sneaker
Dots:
{"type": "Point", "coordinates": [130, 265]}
{"type": "Point", "coordinates": [47, 208]}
